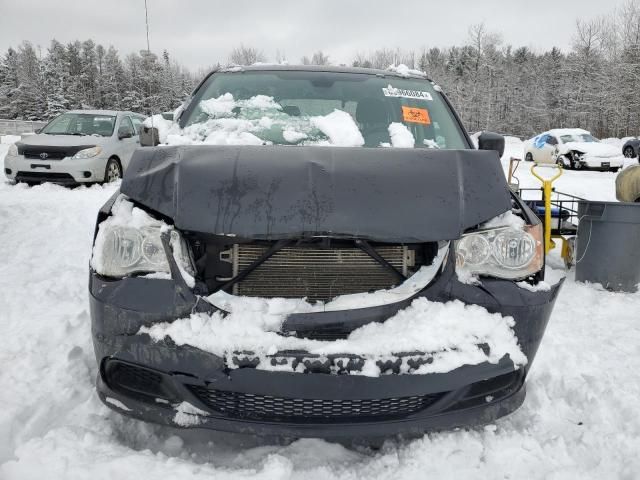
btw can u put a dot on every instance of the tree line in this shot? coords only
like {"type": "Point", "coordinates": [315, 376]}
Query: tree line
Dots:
{"type": "Point", "coordinates": [516, 90]}
{"type": "Point", "coordinates": [37, 86]}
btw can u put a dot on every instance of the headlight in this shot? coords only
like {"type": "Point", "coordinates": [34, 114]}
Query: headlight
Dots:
{"type": "Point", "coordinates": [507, 252]}
{"type": "Point", "coordinates": [13, 150]}
{"type": "Point", "coordinates": [122, 250]}
{"type": "Point", "coordinates": [88, 153]}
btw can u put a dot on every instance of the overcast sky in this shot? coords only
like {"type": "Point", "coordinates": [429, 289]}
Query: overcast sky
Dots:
{"type": "Point", "coordinates": [199, 33]}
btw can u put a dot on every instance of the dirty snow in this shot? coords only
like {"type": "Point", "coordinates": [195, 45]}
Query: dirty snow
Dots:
{"type": "Point", "coordinates": [580, 419]}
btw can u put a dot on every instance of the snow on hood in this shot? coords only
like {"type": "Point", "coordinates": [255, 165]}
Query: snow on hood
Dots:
{"type": "Point", "coordinates": [451, 333]}
{"type": "Point", "coordinates": [595, 149]}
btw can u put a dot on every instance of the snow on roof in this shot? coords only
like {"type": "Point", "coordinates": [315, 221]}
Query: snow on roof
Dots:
{"type": "Point", "coordinates": [103, 112]}
{"type": "Point", "coordinates": [393, 70]}
{"type": "Point", "coordinates": [405, 71]}
{"type": "Point", "coordinates": [568, 131]}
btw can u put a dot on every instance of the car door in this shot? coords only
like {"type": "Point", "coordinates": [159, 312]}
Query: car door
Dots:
{"type": "Point", "coordinates": [129, 142]}
{"type": "Point", "coordinates": [543, 148]}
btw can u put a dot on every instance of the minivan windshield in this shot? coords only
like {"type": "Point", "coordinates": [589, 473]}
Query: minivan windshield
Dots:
{"type": "Point", "coordinates": [318, 108]}
{"type": "Point", "coordinates": [81, 124]}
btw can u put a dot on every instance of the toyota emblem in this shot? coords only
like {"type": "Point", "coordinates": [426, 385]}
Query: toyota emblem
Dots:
{"type": "Point", "coordinates": [44, 155]}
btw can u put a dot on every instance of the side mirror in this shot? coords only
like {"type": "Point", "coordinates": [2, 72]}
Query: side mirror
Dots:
{"type": "Point", "coordinates": [491, 141]}
{"type": "Point", "coordinates": [149, 137]}
{"type": "Point", "coordinates": [124, 132]}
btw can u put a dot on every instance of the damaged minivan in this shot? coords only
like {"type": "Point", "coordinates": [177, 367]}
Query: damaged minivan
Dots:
{"type": "Point", "coordinates": [317, 252]}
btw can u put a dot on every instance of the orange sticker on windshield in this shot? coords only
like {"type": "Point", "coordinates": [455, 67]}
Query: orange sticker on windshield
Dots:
{"type": "Point", "coordinates": [416, 115]}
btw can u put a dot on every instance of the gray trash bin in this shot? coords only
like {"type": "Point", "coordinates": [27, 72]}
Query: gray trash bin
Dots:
{"type": "Point", "coordinates": [608, 245]}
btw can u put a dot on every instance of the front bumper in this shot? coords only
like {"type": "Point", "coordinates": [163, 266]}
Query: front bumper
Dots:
{"type": "Point", "coordinates": [601, 163]}
{"type": "Point", "coordinates": [65, 171]}
{"type": "Point", "coordinates": [311, 404]}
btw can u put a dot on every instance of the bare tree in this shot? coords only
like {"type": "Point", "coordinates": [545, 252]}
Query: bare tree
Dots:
{"type": "Point", "coordinates": [244, 55]}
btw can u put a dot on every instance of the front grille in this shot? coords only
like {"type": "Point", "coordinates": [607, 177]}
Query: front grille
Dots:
{"type": "Point", "coordinates": [301, 410]}
{"type": "Point", "coordinates": [50, 154]}
{"type": "Point", "coordinates": [317, 273]}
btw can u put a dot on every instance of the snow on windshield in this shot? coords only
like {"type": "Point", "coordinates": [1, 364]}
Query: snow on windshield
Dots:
{"type": "Point", "coordinates": [260, 120]}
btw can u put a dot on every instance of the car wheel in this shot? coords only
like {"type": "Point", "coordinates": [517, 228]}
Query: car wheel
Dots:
{"type": "Point", "coordinates": [528, 157]}
{"type": "Point", "coordinates": [628, 152]}
{"type": "Point", "coordinates": [113, 171]}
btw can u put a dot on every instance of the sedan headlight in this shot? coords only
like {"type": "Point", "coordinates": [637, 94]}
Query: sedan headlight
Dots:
{"type": "Point", "coordinates": [506, 252]}
{"type": "Point", "coordinates": [13, 150]}
{"type": "Point", "coordinates": [123, 250]}
{"type": "Point", "coordinates": [88, 153]}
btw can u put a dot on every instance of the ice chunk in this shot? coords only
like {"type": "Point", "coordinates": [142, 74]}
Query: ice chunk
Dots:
{"type": "Point", "coordinates": [341, 129]}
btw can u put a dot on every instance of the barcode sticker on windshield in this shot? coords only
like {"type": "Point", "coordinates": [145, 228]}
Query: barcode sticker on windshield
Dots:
{"type": "Point", "coordinates": [391, 91]}
{"type": "Point", "coordinates": [416, 115]}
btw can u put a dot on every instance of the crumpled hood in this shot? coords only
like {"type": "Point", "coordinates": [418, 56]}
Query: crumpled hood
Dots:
{"type": "Point", "coordinates": [274, 192]}
{"type": "Point", "coordinates": [595, 149]}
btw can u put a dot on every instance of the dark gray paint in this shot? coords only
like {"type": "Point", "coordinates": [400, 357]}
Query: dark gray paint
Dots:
{"type": "Point", "coordinates": [272, 192]}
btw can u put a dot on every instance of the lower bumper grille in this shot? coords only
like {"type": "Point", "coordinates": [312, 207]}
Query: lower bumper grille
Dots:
{"type": "Point", "coordinates": [45, 177]}
{"type": "Point", "coordinates": [301, 410]}
{"type": "Point", "coordinates": [317, 273]}
{"type": "Point", "coordinates": [133, 380]}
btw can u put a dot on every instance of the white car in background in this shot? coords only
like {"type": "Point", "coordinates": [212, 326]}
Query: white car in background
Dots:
{"type": "Point", "coordinates": [573, 148]}
{"type": "Point", "coordinates": [80, 146]}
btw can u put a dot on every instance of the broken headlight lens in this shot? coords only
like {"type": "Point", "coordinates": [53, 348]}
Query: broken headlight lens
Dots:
{"type": "Point", "coordinates": [121, 250]}
{"type": "Point", "coordinates": [506, 252]}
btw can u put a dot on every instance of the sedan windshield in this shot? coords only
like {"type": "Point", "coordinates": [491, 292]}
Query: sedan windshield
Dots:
{"type": "Point", "coordinates": [81, 124]}
{"type": "Point", "coordinates": [321, 108]}
{"type": "Point", "coordinates": [578, 138]}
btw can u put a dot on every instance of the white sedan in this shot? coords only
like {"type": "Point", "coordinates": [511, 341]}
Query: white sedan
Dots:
{"type": "Point", "coordinates": [80, 146]}
{"type": "Point", "coordinates": [573, 148]}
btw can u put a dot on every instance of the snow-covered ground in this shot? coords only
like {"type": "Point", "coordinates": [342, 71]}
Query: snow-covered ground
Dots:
{"type": "Point", "coordinates": [580, 420]}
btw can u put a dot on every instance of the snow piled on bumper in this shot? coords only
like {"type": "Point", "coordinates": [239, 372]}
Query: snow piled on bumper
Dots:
{"type": "Point", "coordinates": [452, 333]}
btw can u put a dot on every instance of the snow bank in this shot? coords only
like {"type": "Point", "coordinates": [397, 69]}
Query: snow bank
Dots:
{"type": "Point", "coordinates": [449, 332]}
{"type": "Point", "coordinates": [9, 139]}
